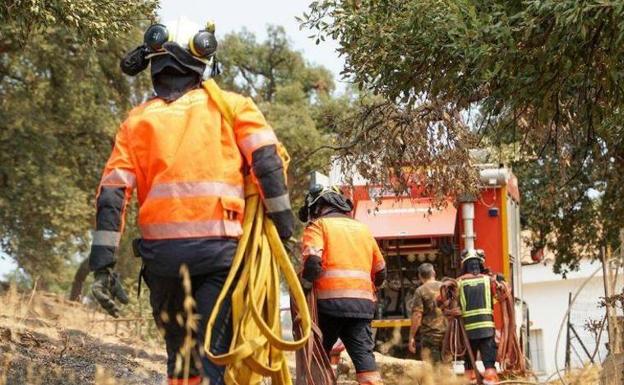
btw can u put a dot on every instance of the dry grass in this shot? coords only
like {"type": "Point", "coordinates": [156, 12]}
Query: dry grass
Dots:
{"type": "Point", "coordinates": [590, 375]}
{"type": "Point", "coordinates": [45, 339]}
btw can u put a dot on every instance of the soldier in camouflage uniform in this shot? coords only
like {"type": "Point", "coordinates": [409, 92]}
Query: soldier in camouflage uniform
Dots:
{"type": "Point", "coordinates": [427, 318]}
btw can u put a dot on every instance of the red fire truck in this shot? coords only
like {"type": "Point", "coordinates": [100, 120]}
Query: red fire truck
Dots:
{"type": "Point", "coordinates": [410, 232]}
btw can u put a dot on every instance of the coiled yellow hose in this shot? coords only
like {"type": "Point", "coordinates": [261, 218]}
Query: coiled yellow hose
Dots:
{"type": "Point", "coordinates": [257, 347]}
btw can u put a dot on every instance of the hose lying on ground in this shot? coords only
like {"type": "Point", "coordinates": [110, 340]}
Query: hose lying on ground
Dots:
{"type": "Point", "coordinates": [257, 347]}
{"type": "Point", "coordinates": [313, 365]}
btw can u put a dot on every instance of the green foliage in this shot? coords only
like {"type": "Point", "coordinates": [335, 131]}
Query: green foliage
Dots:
{"type": "Point", "coordinates": [545, 75]}
{"type": "Point", "coordinates": [93, 21]}
{"type": "Point", "coordinates": [62, 96]}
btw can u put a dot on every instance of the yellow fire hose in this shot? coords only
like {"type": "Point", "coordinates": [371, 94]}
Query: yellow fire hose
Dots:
{"type": "Point", "coordinates": [257, 347]}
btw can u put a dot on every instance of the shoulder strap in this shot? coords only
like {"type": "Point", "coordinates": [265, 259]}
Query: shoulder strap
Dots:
{"type": "Point", "coordinates": [216, 95]}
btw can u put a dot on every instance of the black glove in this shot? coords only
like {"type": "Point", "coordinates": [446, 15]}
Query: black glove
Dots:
{"type": "Point", "coordinates": [135, 61]}
{"type": "Point", "coordinates": [305, 285]}
{"type": "Point", "coordinates": [284, 223]}
{"type": "Point", "coordinates": [106, 288]}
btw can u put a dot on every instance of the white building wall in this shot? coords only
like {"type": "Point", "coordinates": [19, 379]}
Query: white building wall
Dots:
{"type": "Point", "coordinates": [546, 295]}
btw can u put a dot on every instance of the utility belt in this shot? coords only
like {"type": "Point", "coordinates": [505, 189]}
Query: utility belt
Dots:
{"type": "Point", "coordinates": [137, 254]}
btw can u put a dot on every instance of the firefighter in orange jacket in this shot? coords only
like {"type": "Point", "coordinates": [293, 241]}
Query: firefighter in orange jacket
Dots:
{"type": "Point", "coordinates": [344, 266]}
{"type": "Point", "coordinates": [186, 164]}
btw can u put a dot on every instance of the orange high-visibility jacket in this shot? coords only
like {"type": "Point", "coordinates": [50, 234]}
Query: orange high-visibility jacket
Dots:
{"type": "Point", "coordinates": [351, 265]}
{"type": "Point", "coordinates": [187, 163]}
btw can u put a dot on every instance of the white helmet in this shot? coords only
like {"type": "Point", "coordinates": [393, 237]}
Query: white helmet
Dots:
{"type": "Point", "coordinates": [199, 41]}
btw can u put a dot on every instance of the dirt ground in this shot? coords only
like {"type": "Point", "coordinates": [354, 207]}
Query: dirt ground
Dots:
{"type": "Point", "coordinates": [45, 339]}
{"type": "Point", "coordinates": [396, 371]}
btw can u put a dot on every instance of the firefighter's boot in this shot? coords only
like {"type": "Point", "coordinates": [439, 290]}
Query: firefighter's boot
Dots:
{"type": "Point", "coordinates": [369, 378]}
{"type": "Point", "coordinates": [470, 376]}
{"type": "Point", "coordinates": [490, 377]}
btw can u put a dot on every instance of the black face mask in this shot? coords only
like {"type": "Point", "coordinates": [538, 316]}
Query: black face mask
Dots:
{"type": "Point", "coordinates": [175, 73]}
{"type": "Point", "coordinates": [170, 79]}
{"type": "Point", "coordinates": [472, 266]}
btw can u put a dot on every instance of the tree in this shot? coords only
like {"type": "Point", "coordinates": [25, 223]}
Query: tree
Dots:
{"type": "Point", "coordinates": [545, 76]}
{"type": "Point", "coordinates": [91, 20]}
{"type": "Point", "coordinates": [61, 99]}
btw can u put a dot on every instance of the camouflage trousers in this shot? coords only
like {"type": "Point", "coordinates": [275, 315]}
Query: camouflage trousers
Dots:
{"type": "Point", "coordinates": [431, 348]}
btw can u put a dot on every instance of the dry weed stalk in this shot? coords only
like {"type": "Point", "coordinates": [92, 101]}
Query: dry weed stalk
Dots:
{"type": "Point", "coordinates": [28, 304]}
{"type": "Point", "coordinates": [189, 320]}
{"type": "Point", "coordinates": [5, 369]}
{"type": "Point", "coordinates": [589, 375]}
{"type": "Point", "coordinates": [11, 302]}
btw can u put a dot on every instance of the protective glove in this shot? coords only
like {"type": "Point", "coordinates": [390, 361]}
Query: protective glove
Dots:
{"type": "Point", "coordinates": [106, 288]}
{"type": "Point", "coordinates": [305, 285]}
{"type": "Point", "coordinates": [284, 223]}
{"type": "Point", "coordinates": [135, 61]}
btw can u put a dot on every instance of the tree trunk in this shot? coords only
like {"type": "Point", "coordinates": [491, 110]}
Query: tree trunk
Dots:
{"type": "Point", "coordinates": [79, 278]}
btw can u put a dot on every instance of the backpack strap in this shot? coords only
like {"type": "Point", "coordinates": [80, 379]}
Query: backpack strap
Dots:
{"type": "Point", "coordinates": [216, 95]}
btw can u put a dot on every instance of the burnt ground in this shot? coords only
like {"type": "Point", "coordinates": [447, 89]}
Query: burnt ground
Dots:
{"type": "Point", "coordinates": [66, 346]}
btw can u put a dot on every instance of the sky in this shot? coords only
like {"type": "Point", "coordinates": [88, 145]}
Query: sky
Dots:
{"type": "Point", "coordinates": [6, 264]}
{"type": "Point", "coordinates": [234, 15]}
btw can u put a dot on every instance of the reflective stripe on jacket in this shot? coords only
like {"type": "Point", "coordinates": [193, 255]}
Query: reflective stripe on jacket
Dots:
{"type": "Point", "coordinates": [350, 259]}
{"type": "Point", "coordinates": [475, 296]}
{"type": "Point", "coordinates": [186, 163]}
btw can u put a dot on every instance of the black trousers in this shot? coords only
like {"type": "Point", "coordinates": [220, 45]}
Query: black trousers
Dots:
{"type": "Point", "coordinates": [356, 335]}
{"type": "Point", "coordinates": [487, 347]}
{"type": "Point", "coordinates": [167, 300]}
